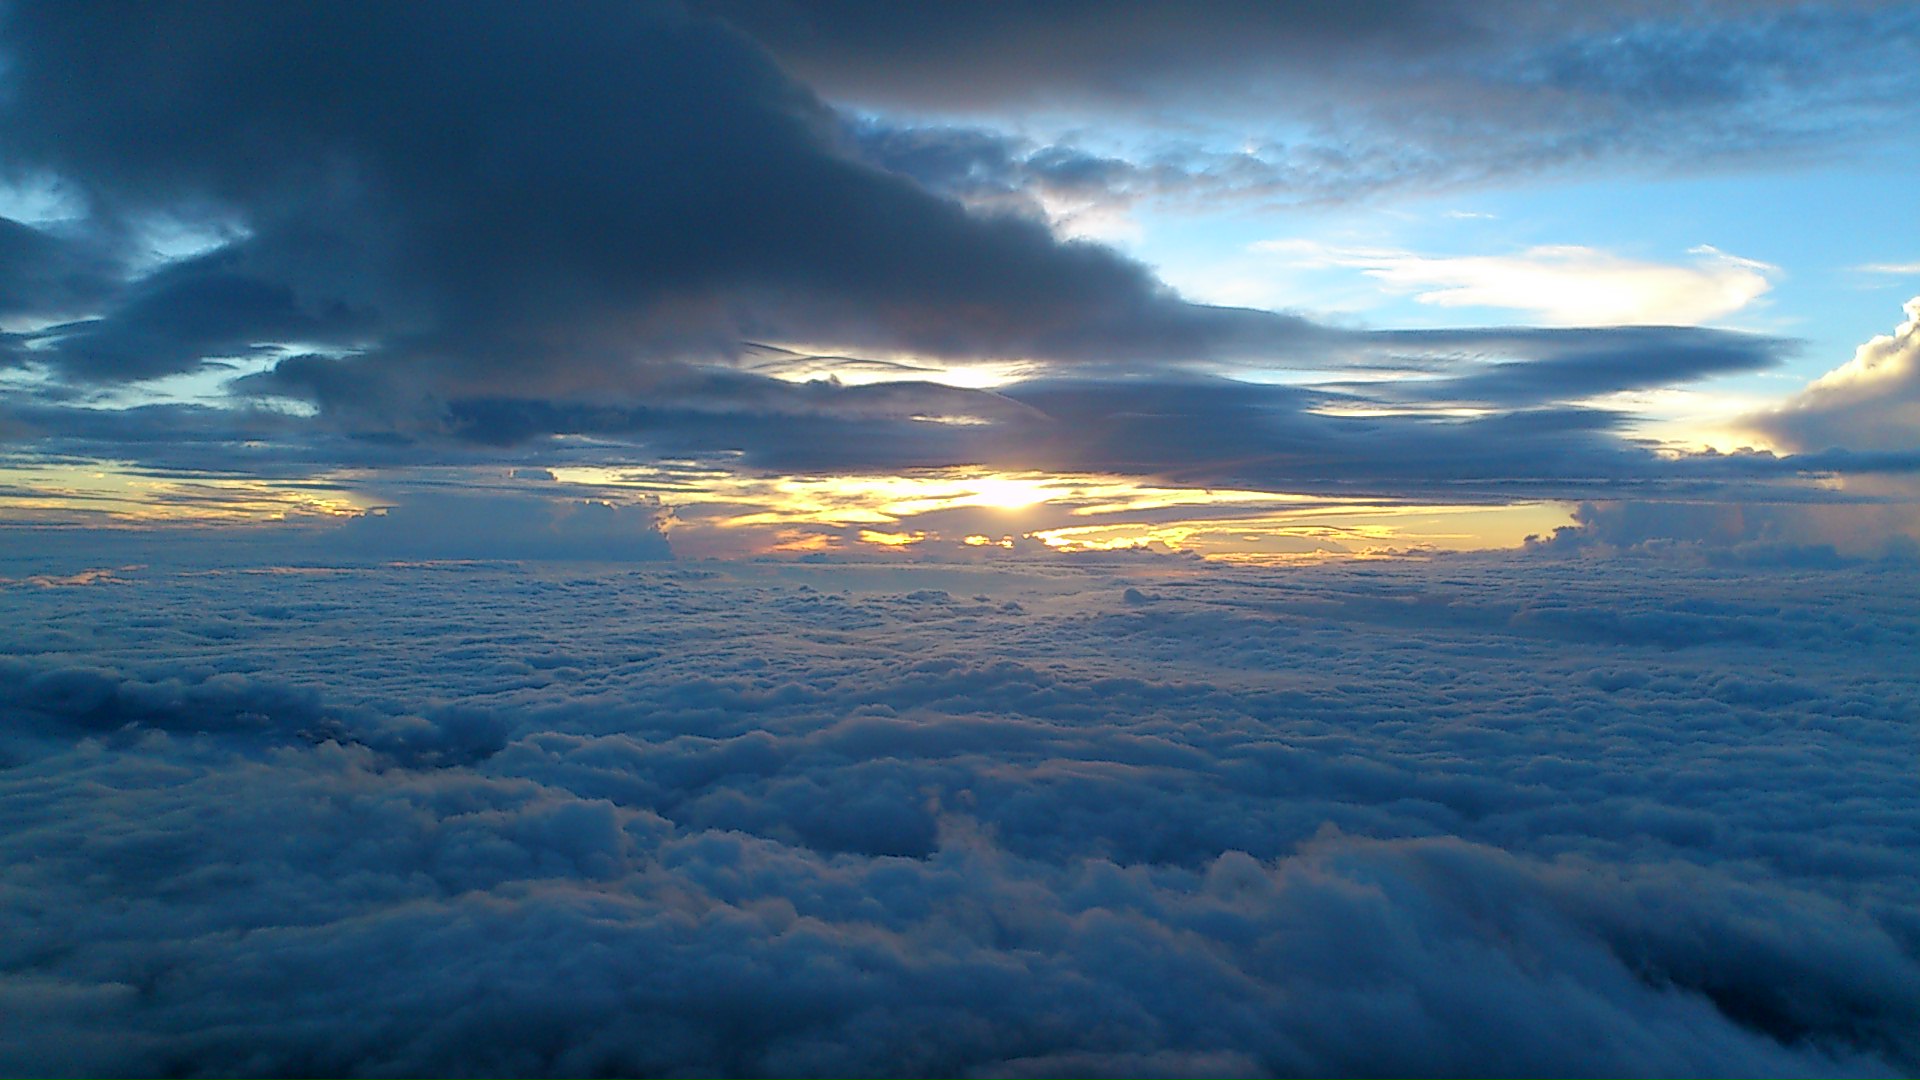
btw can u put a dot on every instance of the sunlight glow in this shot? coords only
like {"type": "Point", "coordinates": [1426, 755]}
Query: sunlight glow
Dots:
{"type": "Point", "coordinates": [891, 539]}
{"type": "Point", "coordinates": [792, 362]}
{"type": "Point", "coordinates": [1685, 421]}
{"type": "Point", "coordinates": [112, 493]}
{"type": "Point", "coordinates": [712, 512]}
{"type": "Point", "coordinates": [1006, 493]}
{"type": "Point", "coordinates": [954, 512]}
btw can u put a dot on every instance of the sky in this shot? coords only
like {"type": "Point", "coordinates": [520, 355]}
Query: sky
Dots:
{"type": "Point", "coordinates": [848, 538]}
{"type": "Point", "coordinates": [787, 278]}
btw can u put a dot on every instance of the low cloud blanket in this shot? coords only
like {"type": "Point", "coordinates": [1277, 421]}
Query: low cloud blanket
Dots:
{"type": "Point", "coordinates": [1506, 814]}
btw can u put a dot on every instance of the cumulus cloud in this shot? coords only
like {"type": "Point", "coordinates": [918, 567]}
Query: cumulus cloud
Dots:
{"type": "Point", "coordinates": [471, 525]}
{"type": "Point", "coordinates": [1748, 530]}
{"type": "Point", "coordinates": [1871, 402]}
{"type": "Point", "coordinates": [1479, 815]}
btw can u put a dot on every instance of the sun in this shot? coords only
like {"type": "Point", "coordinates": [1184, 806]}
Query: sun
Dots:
{"type": "Point", "coordinates": [1005, 493]}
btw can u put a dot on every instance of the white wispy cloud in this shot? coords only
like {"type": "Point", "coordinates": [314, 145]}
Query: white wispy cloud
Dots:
{"type": "Point", "coordinates": [1559, 285]}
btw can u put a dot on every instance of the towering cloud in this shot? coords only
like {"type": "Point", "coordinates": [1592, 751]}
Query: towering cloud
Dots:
{"type": "Point", "coordinates": [1871, 402]}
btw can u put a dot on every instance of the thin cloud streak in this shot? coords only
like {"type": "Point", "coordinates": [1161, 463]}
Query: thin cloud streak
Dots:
{"type": "Point", "coordinates": [1561, 285]}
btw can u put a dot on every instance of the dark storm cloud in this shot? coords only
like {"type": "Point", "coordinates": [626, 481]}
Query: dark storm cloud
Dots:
{"type": "Point", "coordinates": [965, 56]}
{"type": "Point", "coordinates": [1500, 88]}
{"type": "Point", "coordinates": [1493, 815]}
{"type": "Point", "coordinates": [995, 171]}
{"type": "Point", "coordinates": [1000, 172]}
{"type": "Point", "coordinates": [203, 439]}
{"type": "Point", "coordinates": [1381, 439]}
{"type": "Point", "coordinates": [1190, 431]}
{"type": "Point", "coordinates": [494, 202]}
{"type": "Point", "coordinates": [45, 274]}
{"type": "Point", "coordinates": [1207, 434]}
{"type": "Point", "coordinates": [187, 314]}
{"type": "Point", "coordinates": [1223, 57]}
{"type": "Point", "coordinates": [1142, 419]}
{"type": "Point", "coordinates": [1228, 434]}
{"type": "Point", "coordinates": [479, 196]}
{"type": "Point", "coordinates": [1567, 365]}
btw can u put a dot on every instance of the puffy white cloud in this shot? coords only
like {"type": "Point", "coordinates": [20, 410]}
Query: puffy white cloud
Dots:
{"type": "Point", "coordinates": [1475, 815]}
{"type": "Point", "coordinates": [1872, 402]}
{"type": "Point", "coordinates": [1807, 533]}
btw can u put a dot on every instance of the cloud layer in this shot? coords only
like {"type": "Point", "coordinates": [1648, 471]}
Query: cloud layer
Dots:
{"type": "Point", "coordinates": [1471, 816]}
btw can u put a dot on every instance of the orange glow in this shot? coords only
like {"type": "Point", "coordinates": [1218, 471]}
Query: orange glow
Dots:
{"type": "Point", "coordinates": [1006, 493]}
{"type": "Point", "coordinates": [970, 512]}
{"type": "Point", "coordinates": [109, 493]}
{"type": "Point", "coordinates": [794, 541]}
{"type": "Point", "coordinates": [889, 539]}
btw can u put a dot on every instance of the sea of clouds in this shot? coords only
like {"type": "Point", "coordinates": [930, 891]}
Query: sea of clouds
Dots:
{"type": "Point", "coordinates": [1504, 814]}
